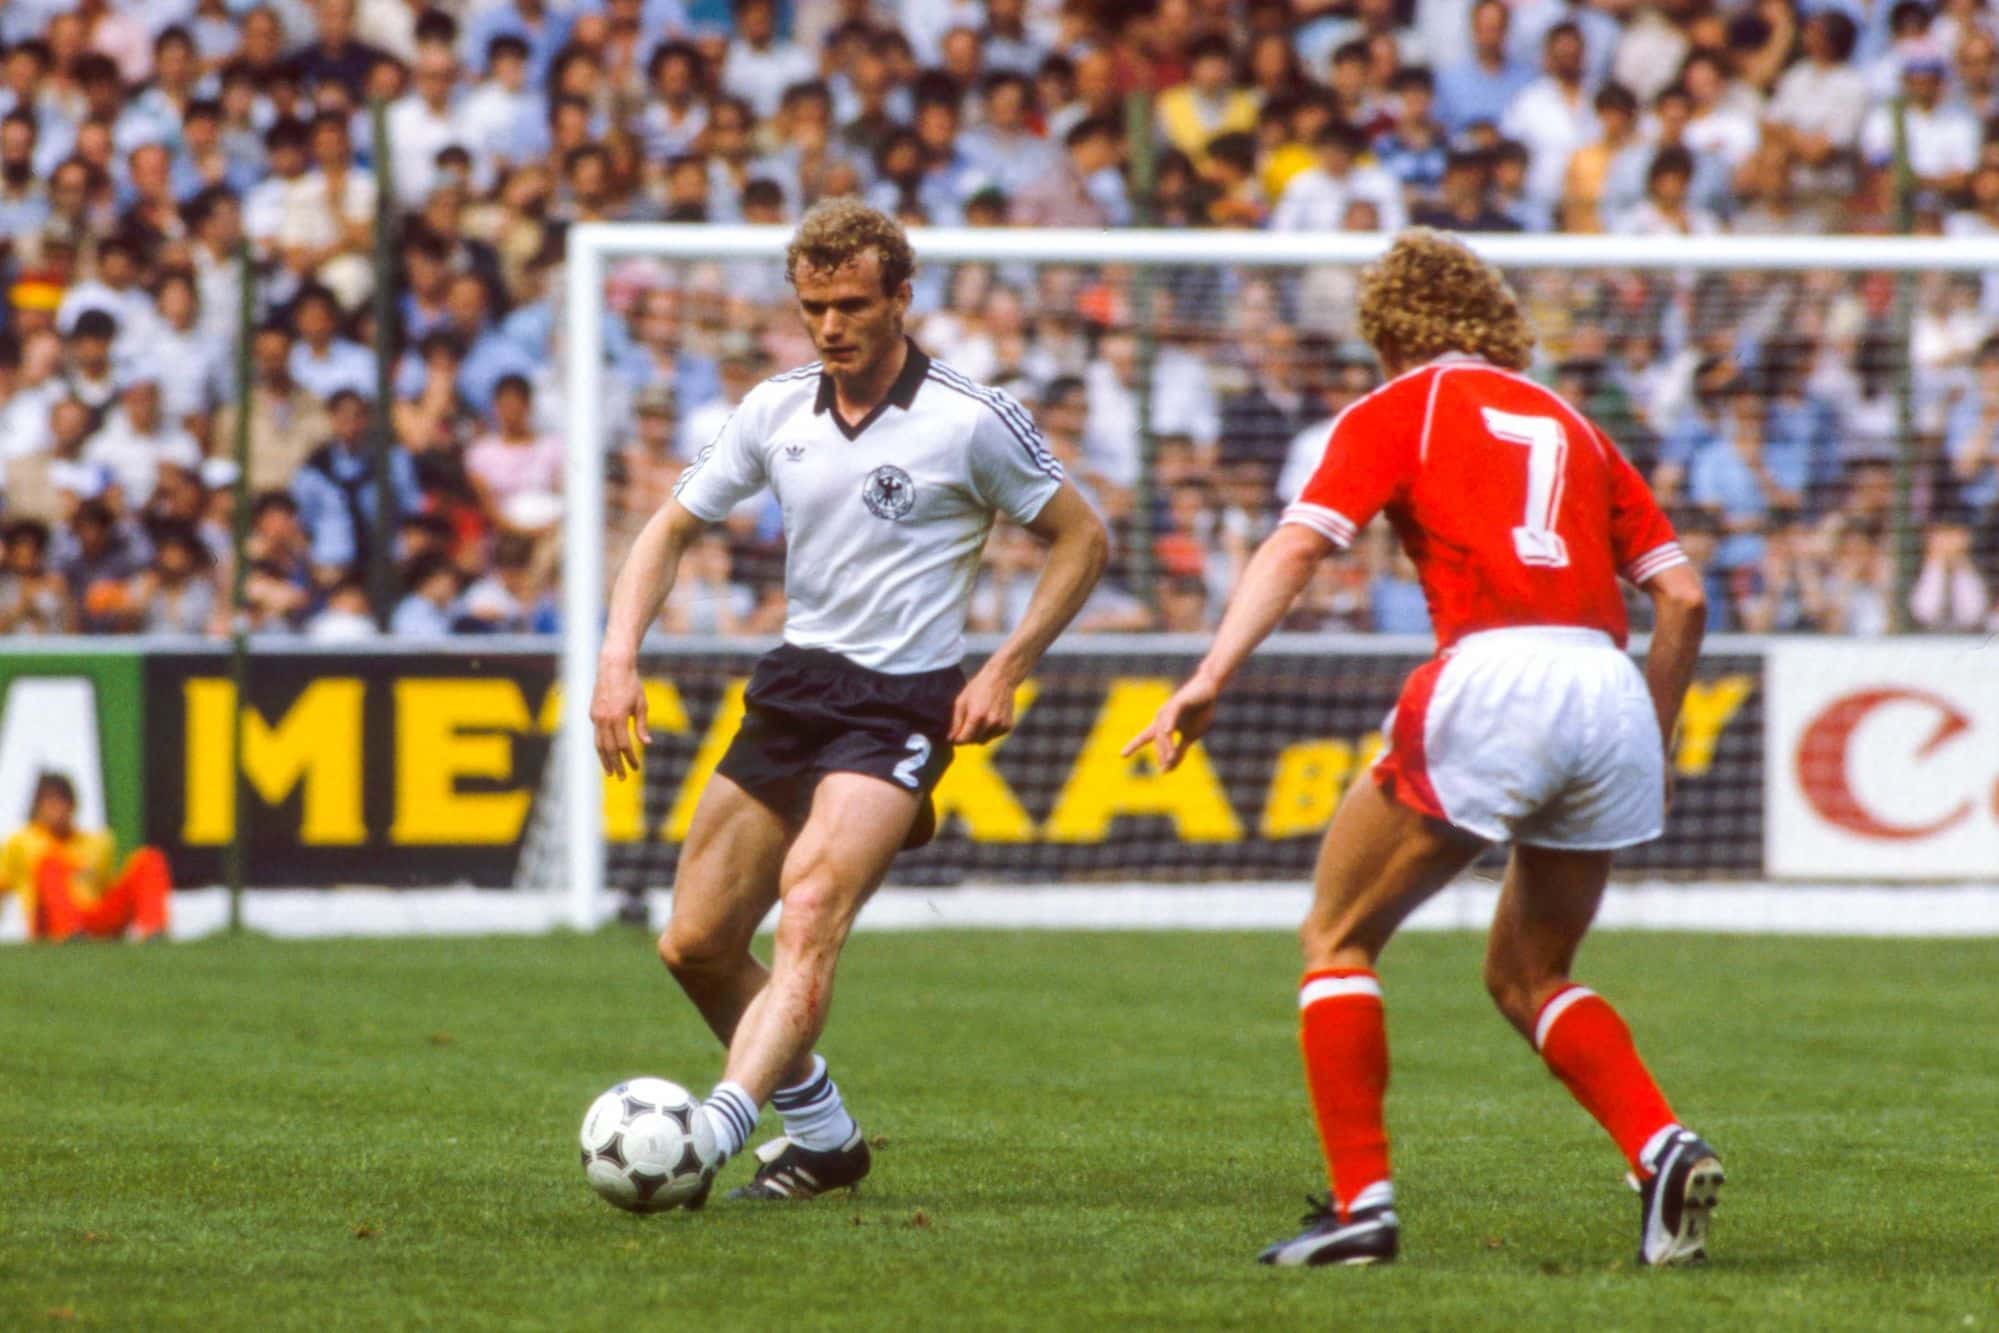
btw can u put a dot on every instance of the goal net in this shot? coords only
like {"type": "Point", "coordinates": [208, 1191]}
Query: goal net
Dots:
{"type": "Point", "coordinates": [1806, 410]}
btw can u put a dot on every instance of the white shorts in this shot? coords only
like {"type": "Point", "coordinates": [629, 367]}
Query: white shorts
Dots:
{"type": "Point", "coordinates": [1542, 735]}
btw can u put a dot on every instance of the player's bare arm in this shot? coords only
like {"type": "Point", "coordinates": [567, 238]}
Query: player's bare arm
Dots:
{"type": "Point", "coordinates": [618, 705]}
{"type": "Point", "coordinates": [1277, 573]}
{"type": "Point", "coordinates": [1679, 619]}
{"type": "Point", "coordinates": [1078, 548]}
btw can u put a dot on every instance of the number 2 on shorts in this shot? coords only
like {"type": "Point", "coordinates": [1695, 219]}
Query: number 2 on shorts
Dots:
{"type": "Point", "coordinates": [906, 772]}
{"type": "Point", "coordinates": [1535, 541]}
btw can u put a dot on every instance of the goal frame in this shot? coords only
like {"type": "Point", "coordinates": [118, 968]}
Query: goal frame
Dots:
{"type": "Point", "coordinates": [593, 246]}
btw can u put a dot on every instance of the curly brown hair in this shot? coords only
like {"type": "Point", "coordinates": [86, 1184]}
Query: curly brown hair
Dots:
{"type": "Point", "coordinates": [1430, 295]}
{"type": "Point", "coordinates": [835, 232]}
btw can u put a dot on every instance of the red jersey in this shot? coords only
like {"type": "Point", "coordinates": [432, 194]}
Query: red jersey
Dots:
{"type": "Point", "coordinates": [1515, 508]}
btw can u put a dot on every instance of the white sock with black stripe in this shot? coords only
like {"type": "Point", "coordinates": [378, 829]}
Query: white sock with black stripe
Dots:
{"type": "Point", "coordinates": [814, 1115]}
{"type": "Point", "coordinates": [733, 1114]}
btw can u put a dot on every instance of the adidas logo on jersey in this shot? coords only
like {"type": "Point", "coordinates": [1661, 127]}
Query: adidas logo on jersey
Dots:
{"type": "Point", "coordinates": [793, 452]}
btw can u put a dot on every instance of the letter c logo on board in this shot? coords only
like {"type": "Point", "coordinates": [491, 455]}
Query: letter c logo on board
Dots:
{"type": "Point", "coordinates": [1823, 771]}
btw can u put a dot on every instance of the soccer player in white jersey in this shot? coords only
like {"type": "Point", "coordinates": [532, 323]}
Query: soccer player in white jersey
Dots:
{"type": "Point", "coordinates": [890, 469]}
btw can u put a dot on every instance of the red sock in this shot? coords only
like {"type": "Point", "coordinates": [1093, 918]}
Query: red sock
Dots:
{"type": "Point", "coordinates": [1345, 1043]}
{"type": "Point", "coordinates": [1587, 1046]}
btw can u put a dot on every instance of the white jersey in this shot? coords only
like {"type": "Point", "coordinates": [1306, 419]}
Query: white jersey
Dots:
{"type": "Point", "coordinates": [884, 520]}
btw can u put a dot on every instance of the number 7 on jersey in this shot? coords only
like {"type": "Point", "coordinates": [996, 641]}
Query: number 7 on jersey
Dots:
{"type": "Point", "coordinates": [1535, 541]}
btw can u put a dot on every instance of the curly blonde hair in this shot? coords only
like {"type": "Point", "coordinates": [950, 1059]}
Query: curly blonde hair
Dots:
{"type": "Point", "coordinates": [835, 232]}
{"type": "Point", "coordinates": [1430, 295]}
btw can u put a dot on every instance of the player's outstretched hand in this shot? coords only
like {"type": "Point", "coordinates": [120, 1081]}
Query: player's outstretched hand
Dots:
{"type": "Point", "coordinates": [983, 711]}
{"type": "Point", "coordinates": [617, 708]}
{"type": "Point", "coordinates": [1181, 721]}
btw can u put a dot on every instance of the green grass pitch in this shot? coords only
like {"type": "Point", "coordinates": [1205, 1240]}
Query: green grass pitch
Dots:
{"type": "Point", "coordinates": [1076, 1131]}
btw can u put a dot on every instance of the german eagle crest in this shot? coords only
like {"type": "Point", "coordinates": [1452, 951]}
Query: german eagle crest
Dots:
{"type": "Point", "coordinates": [888, 493]}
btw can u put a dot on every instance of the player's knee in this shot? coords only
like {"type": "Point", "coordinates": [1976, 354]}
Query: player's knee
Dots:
{"type": "Point", "coordinates": [689, 953]}
{"type": "Point", "coordinates": [1511, 987]}
{"type": "Point", "coordinates": [1330, 940]}
{"type": "Point", "coordinates": [812, 918]}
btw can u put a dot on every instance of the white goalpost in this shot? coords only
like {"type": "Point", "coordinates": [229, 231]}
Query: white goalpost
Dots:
{"type": "Point", "coordinates": [595, 248]}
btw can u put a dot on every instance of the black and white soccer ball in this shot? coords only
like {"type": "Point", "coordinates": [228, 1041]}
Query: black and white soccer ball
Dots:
{"type": "Point", "coordinates": [648, 1146]}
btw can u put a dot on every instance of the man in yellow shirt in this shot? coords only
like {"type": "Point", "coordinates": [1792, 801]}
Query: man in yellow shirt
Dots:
{"type": "Point", "coordinates": [63, 875]}
{"type": "Point", "coordinates": [1193, 114]}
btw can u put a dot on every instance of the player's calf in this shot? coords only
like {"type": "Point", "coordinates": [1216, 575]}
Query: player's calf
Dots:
{"type": "Point", "coordinates": [1518, 993]}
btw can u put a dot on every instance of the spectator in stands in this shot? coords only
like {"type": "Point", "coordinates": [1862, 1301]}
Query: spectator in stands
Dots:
{"type": "Point", "coordinates": [118, 292]}
{"type": "Point", "coordinates": [1086, 190]}
{"type": "Point", "coordinates": [1626, 181]}
{"type": "Point", "coordinates": [1783, 594]}
{"type": "Point", "coordinates": [286, 422]}
{"type": "Point", "coordinates": [675, 115]}
{"type": "Point", "coordinates": [97, 558]}
{"type": "Point", "coordinates": [1183, 605]}
{"type": "Point", "coordinates": [336, 490]}
{"type": "Point", "coordinates": [514, 596]}
{"type": "Point", "coordinates": [1819, 105]}
{"type": "Point", "coordinates": [24, 203]}
{"type": "Point", "coordinates": [1665, 211]}
{"type": "Point", "coordinates": [88, 374]}
{"type": "Point", "coordinates": [760, 65]}
{"type": "Point", "coordinates": [1006, 42]}
{"type": "Point", "coordinates": [1942, 139]}
{"type": "Point", "coordinates": [33, 597]}
{"type": "Point", "coordinates": [345, 618]}
{"type": "Point", "coordinates": [1747, 476]}
{"type": "Point", "coordinates": [707, 599]}
{"type": "Point", "coordinates": [176, 593]}
{"type": "Point", "coordinates": [336, 56]}
{"type": "Point", "coordinates": [1259, 422]}
{"type": "Point", "coordinates": [62, 876]}
{"type": "Point", "coordinates": [659, 355]}
{"type": "Point", "coordinates": [1395, 598]}
{"type": "Point", "coordinates": [1509, 188]}
{"type": "Point", "coordinates": [1858, 583]}
{"type": "Point", "coordinates": [1588, 179]}
{"type": "Point", "coordinates": [1413, 149]}
{"type": "Point", "coordinates": [1002, 148]}
{"type": "Point", "coordinates": [1479, 89]}
{"type": "Point", "coordinates": [1235, 197]}
{"type": "Point", "coordinates": [426, 610]}
{"type": "Point", "coordinates": [516, 470]}
{"type": "Point", "coordinates": [37, 386]}
{"type": "Point", "coordinates": [326, 222]}
{"type": "Point", "coordinates": [137, 439]}
{"type": "Point", "coordinates": [192, 360]}
{"type": "Point", "coordinates": [46, 480]}
{"type": "Point", "coordinates": [1972, 436]}
{"type": "Point", "coordinates": [1949, 595]}
{"type": "Point", "coordinates": [1553, 116]}
{"type": "Point", "coordinates": [321, 361]}
{"type": "Point", "coordinates": [1208, 103]}
{"type": "Point", "coordinates": [1344, 378]}
{"type": "Point", "coordinates": [426, 121]}
{"type": "Point", "coordinates": [1725, 112]}
{"type": "Point", "coordinates": [1317, 199]}
{"type": "Point", "coordinates": [278, 584]}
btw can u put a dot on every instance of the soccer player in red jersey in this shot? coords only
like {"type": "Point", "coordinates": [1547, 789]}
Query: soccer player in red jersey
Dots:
{"type": "Point", "coordinates": [1530, 726]}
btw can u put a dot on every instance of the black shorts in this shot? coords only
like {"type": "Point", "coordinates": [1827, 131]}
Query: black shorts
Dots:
{"type": "Point", "coordinates": [809, 712]}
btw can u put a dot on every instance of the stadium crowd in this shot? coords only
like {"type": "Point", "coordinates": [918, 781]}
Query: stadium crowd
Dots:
{"type": "Point", "coordinates": [141, 139]}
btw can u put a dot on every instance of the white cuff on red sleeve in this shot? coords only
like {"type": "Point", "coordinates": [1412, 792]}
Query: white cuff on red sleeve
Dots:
{"type": "Point", "coordinates": [1657, 560]}
{"type": "Point", "coordinates": [1331, 524]}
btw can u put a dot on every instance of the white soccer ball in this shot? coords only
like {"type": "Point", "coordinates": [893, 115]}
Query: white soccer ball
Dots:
{"type": "Point", "coordinates": [648, 1146]}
